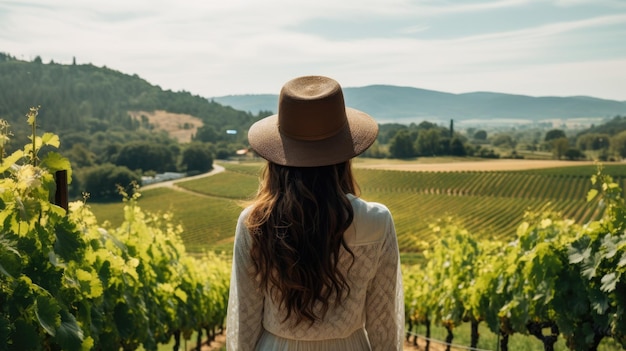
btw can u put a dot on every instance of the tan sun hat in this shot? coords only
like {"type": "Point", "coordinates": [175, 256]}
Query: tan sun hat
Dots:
{"type": "Point", "coordinates": [313, 127]}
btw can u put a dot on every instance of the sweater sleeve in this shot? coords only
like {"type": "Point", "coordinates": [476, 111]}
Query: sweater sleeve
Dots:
{"type": "Point", "coordinates": [384, 319]}
{"type": "Point", "coordinates": [245, 302]}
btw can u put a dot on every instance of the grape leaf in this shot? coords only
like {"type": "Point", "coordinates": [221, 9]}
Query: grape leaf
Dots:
{"type": "Point", "coordinates": [47, 312]}
{"type": "Point", "coordinates": [579, 250]}
{"type": "Point", "coordinates": [69, 334]}
{"type": "Point", "coordinates": [609, 281]}
{"type": "Point", "coordinates": [592, 194]}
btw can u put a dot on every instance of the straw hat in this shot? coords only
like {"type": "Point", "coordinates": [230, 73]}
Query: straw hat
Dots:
{"type": "Point", "coordinates": [313, 127]}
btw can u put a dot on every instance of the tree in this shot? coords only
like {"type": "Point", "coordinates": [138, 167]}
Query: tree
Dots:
{"type": "Point", "coordinates": [573, 154]}
{"type": "Point", "coordinates": [504, 140]}
{"type": "Point", "coordinates": [80, 156]}
{"type": "Point", "coordinates": [427, 125]}
{"type": "Point", "coordinates": [457, 148]}
{"type": "Point", "coordinates": [428, 142]}
{"type": "Point", "coordinates": [554, 134]}
{"type": "Point", "coordinates": [207, 134]}
{"type": "Point", "coordinates": [146, 156]}
{"type": "Point", "coordinates": [376, 151]}
{"type": "Point", "coordinates": [559, 147]}
{"type": "Point", "coordinates": [401, 145]}
{"type": "Point", "coordinates": [197, 157]}
{"type": "Point", "coordinates": [101, 181]}
{"type": "Point", "coordinates": [618, 144]}
{"type": "Point", "coordinates": [480, 135]}
{"type": "Point", "coordinates": [593, 141]}
{"type": "Point", "coordinates": [387, 131]}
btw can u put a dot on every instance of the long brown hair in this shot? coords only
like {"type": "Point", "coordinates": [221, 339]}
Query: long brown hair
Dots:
{"type": "Point", "coordinates": [297, 224]}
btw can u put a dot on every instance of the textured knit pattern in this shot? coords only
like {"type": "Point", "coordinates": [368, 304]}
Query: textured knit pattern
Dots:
{"type": "Point", "coordinates": [375, 303]}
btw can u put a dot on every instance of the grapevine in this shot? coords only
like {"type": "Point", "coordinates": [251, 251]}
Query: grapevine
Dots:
{"type": "Point", "coordinates": [68, 283]}
{"type": "Point", "coordinates": [556, 279]}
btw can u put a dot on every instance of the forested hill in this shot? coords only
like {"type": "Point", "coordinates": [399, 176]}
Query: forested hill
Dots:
{"type": "Point", "coordinates": [87, 99]}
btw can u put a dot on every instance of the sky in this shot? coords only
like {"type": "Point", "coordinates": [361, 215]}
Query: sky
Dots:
{"type": "Point", "coordinates": [215, 48]}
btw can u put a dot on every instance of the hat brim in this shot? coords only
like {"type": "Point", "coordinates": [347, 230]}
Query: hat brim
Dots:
{"type": "Point", "coordinates": [358, 134]}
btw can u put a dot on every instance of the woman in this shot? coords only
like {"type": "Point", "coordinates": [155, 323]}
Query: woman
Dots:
{"type": "Point", "coordinates": [314, 266]}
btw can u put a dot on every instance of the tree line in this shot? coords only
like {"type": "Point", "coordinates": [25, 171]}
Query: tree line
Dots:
{"type": "Point", "coordinates": [606, 142]}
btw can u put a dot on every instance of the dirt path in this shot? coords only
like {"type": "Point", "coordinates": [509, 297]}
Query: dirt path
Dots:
{"type": "Point", "coordinates": [171, 183]}
{"type": "Point", "coordinates": [487, 165]}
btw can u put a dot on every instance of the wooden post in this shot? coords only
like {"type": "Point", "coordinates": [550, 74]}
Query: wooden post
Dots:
{"type": "Point", "coordinates": [60, 196]}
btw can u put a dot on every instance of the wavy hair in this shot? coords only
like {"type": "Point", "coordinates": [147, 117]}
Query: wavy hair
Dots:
{"type": "Point", "coordinates": [297, 224]}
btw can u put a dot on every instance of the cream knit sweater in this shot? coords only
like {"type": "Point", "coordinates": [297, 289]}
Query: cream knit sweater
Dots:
{"type": "Point", "coordinates": [375, 302]}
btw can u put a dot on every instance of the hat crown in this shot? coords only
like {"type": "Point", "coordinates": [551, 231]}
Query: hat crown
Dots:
{"type": "Point", "coordinates": [311, 108]}
{"type": "Point", "coordinates": [313, 127]}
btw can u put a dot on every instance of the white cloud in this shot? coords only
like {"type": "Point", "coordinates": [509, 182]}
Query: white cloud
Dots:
{"type": "Point", "coordinates": [238, 46]}
{"type": "Point", "coordinates": [610, 3]}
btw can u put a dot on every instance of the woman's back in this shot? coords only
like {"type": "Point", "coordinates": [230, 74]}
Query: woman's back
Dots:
{"type": "Point", "coordinates": [375, 302]}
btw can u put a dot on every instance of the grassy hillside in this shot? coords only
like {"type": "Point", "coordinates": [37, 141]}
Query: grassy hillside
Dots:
{"type": "Point", "coordinates": [490, 204]}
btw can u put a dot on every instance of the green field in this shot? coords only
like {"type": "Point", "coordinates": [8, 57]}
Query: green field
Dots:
{"type": "Point", "coordinates": [488, 203]}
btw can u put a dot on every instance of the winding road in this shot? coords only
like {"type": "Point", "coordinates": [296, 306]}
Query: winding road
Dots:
{"type": "Point", "coordinates": [172, 183]}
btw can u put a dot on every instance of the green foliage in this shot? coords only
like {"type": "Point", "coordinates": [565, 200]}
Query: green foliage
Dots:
{"type": "Point", "coordinates": [554, 134]}
{"type": "Point", "coordinates": [376, 150]}
{"type": "Point", "coordinates": [427, 143]}
{"type": "Point", "coordinates": [559, 147]}
{"type": "Point", "coordinates": [102, 182]}
{"type": "Point", "coordinates": [67, 283]}
{"type": "Point", "coordinates": [207, 223]}
{"type": "Point", "coordinates": [480, 135]}
{"type": "Point", "coordinates": [224, 185]}
{"type": "Point", "coordinates": [452, 267]}
{"type": "Point", "coordinates": [145, 156]}
{"type": "Point", "coordinates": [207, 134]}
{"type": "Point", "coordinates": [197, 157]}
{"type": "Point", "coordinates": [618, 144]}
{"type": "Point", "coordinates": [425, 139]}
{"type": "Point", "coordinates": [401, 145]}
{"type": "Point", "coordinates": [503, 140]}
{"type": "Point", "coordinates": [599, 254]}
{"type": "Point", "coordinates": [574, 154]}
{"type": "Point", "coordinates": [612, 127]}
{"type": "Point", "coordinates": [593, 141]}
{"type": "Point", "coordinates": [556, 274]}
{"type": "Point", "coordinates": [457, 148]}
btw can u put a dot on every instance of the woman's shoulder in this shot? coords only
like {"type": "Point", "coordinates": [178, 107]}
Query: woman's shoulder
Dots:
{"type": "Point", "coordinates": [244, 213]}
{"type": "Point", "coordinates": [372, 221]}
{"type": "Point", "coordinates": [369, 208]}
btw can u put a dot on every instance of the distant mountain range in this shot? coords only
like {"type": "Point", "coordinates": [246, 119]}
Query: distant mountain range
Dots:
{"type": "Point", "coordinates": [395, 104]}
